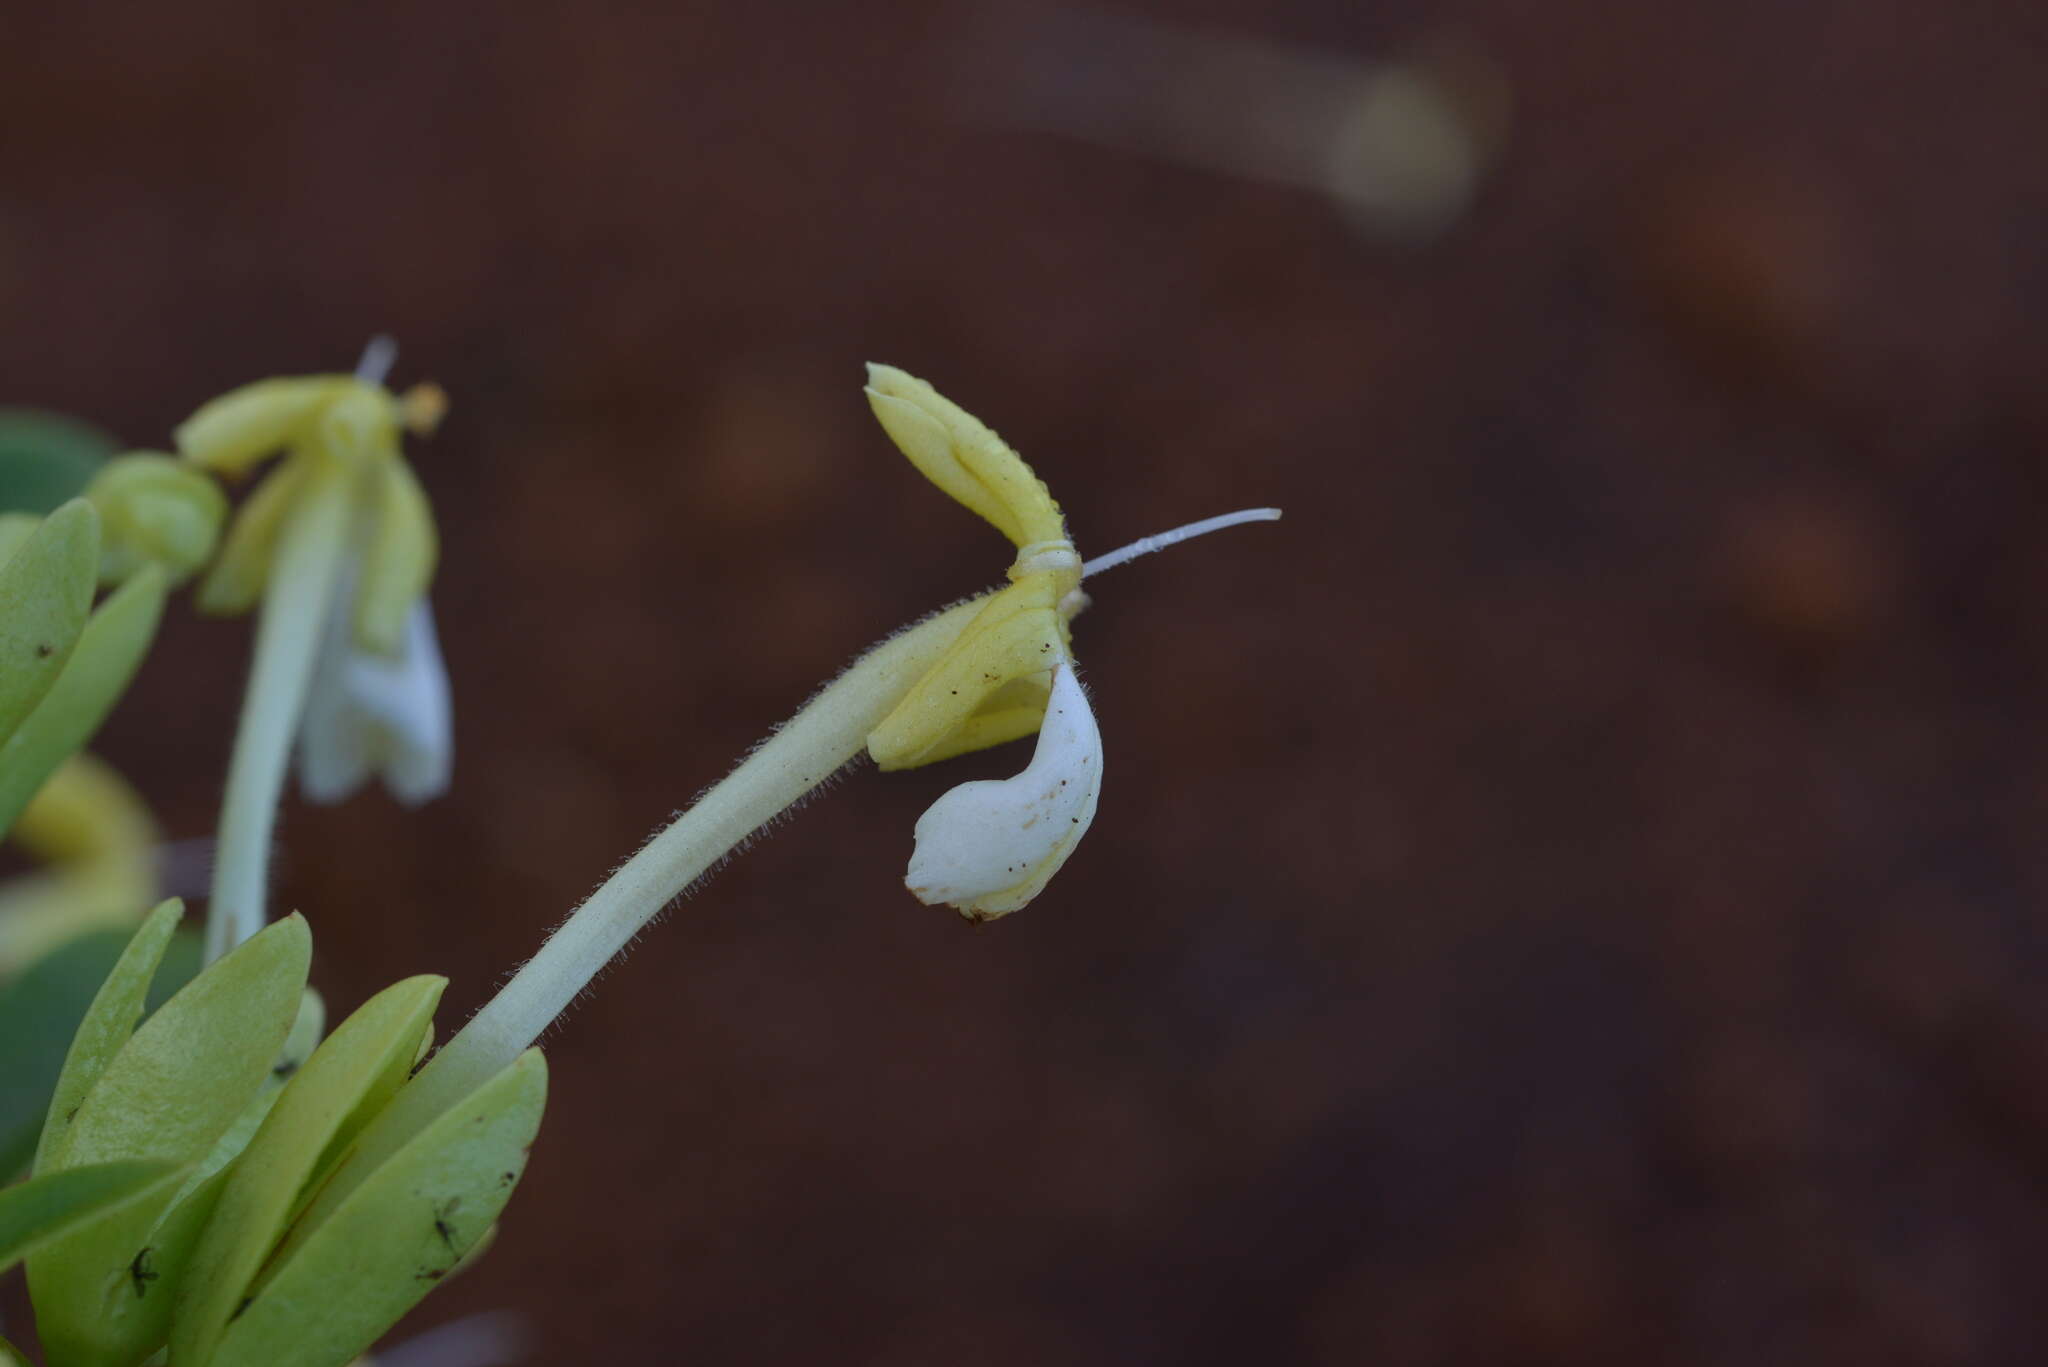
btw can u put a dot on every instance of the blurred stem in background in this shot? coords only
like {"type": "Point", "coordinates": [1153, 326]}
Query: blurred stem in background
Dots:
{"type": "Point", "coordinates": [1400, 146]}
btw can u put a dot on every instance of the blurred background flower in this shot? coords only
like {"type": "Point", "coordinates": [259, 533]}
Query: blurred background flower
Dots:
{"type": "Point", "coordinates": [1634, 947]}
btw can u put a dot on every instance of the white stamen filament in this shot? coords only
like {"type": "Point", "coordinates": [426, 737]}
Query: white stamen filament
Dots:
{"type": "Point", "coordinates": [1145, 545]}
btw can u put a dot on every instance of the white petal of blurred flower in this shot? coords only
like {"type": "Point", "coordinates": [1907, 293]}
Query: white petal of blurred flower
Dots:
{"type": "Point", "coordinates": [367, 714]}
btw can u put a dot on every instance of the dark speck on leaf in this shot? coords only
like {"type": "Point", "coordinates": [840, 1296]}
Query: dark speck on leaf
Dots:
{"type": "Point", "coordinates": [141, 1273]}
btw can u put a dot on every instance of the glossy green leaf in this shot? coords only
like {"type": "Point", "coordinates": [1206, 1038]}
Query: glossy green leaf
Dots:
{"type": "Point", "coordinates": [40, 1013]}
{"type": "Point", "coordinates": [339, 1283]}
{"type": "Point", "coordinates": [107, 1025]}
{"type": "Point", "coordinates": [15, 529]}
{"type": "Point", "coordinates": [164, 1253]}
{"type": "Point", "coordinates": [46, 458]}
{"type": "Point", "coordinates": [103, 1293]}
{"type": "Point", "coordinates": [354, 1072]}
{"type": "Point", "coordinates": [45, 596]}
{"type": "Point", "coordinates": [42, 1208]}
{"type": "Point", "coordinates": [108, 652]}
{"type": "Point", "coordinates": [298, 1046]}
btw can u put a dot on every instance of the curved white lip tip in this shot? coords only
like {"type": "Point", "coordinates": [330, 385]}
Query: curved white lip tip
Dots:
{"type": "Point", "coordinates": [990, 846]}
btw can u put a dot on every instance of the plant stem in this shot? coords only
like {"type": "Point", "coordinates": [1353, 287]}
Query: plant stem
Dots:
{"type": "Point", "coordinates": [310, 550]}
{"type": "Point", "coordinates": [821, 739]}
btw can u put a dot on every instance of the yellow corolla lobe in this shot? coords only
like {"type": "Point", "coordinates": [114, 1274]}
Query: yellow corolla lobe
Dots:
{"type": "Point", "coordinates": [959, 453]}
{"type": "Point", "coordinates": [340, 438]}
{"type": "Point", "coordinates": [237, 431]}
{"type": "Point", "coordinates": [988, 688]}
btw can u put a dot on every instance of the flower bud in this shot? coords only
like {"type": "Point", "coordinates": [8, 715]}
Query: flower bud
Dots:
{"type": "Point", "coordinates": [155, 510]}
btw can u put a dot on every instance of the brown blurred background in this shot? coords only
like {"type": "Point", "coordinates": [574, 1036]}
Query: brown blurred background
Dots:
{"type": "Point", "coordinates": [1571, 893]}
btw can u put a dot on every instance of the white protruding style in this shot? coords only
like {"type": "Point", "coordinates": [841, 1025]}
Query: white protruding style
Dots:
{"type": "Point", "coordinates": [990, 846]}
{"type": "Point", "coordinates": [1145, 545]}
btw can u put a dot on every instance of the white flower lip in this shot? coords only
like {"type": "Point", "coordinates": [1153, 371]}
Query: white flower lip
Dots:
{"type": "Point", "coordinates": [366, 714]}
{"type": "Point", "coordinates": [990, 846]}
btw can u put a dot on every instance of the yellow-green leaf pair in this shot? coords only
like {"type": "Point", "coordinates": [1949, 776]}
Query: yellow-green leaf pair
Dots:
{"type": "Point", "coordinates": [239, 1250]}
{"type": "Point", "coordinates": [987, 848]}
{"type": "Point", "coordinates": [62, 665]}
{"type": "Point", "coordinates": [340, 437]}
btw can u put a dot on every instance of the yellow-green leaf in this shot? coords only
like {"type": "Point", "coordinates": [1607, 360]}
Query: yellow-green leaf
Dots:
{"type": "Point", "coordinates": [354, 1073]}
{"type": "Point", "coordinates": [16, 528]}
{"type": "Point", "coordinates": [333, 1289]}
{"type": "Point", "coordinates": [103, 1292]}
{"type": "Point", "coordinates": [45, 596]}
{"type": "Point", "coordinates": [40, 1012]}
{"type": "Point", "coordinates": [108, 1023]}
{"type": "Point", "coordinates": [298, 1045]}
{"type": "Point", "coordinates": [42, 1208]}
{"type": "Point", "coordinates": [108, 652]}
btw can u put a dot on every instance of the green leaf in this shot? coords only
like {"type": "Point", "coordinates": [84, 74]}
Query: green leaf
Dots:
{"type": "Point", "coordinates": [40, 1013]}
{"type": "Point", "coordinates": [46, 458]}
{"type": "Point", "coordinates": [42, 1208]}
{"type": "Point", "coordinates": [340, 1282]}
{"type": "Point", "coordinates": [107, 1025]}
{"type": "Point", "coordinates": [108, 652]}
{"type": "Point", "coordinates": [103, 1293]}
{"type": "Point", "coordinates": [45, 596]}
{"type": "Point", "coordinates": [165, 1252]}
{"type": "Point", "coordinates": [298, 1045]}
{"type": "Point", "coordinates": [351, 1076]}
{"type": "Point", "coordinates": [15, 530]}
